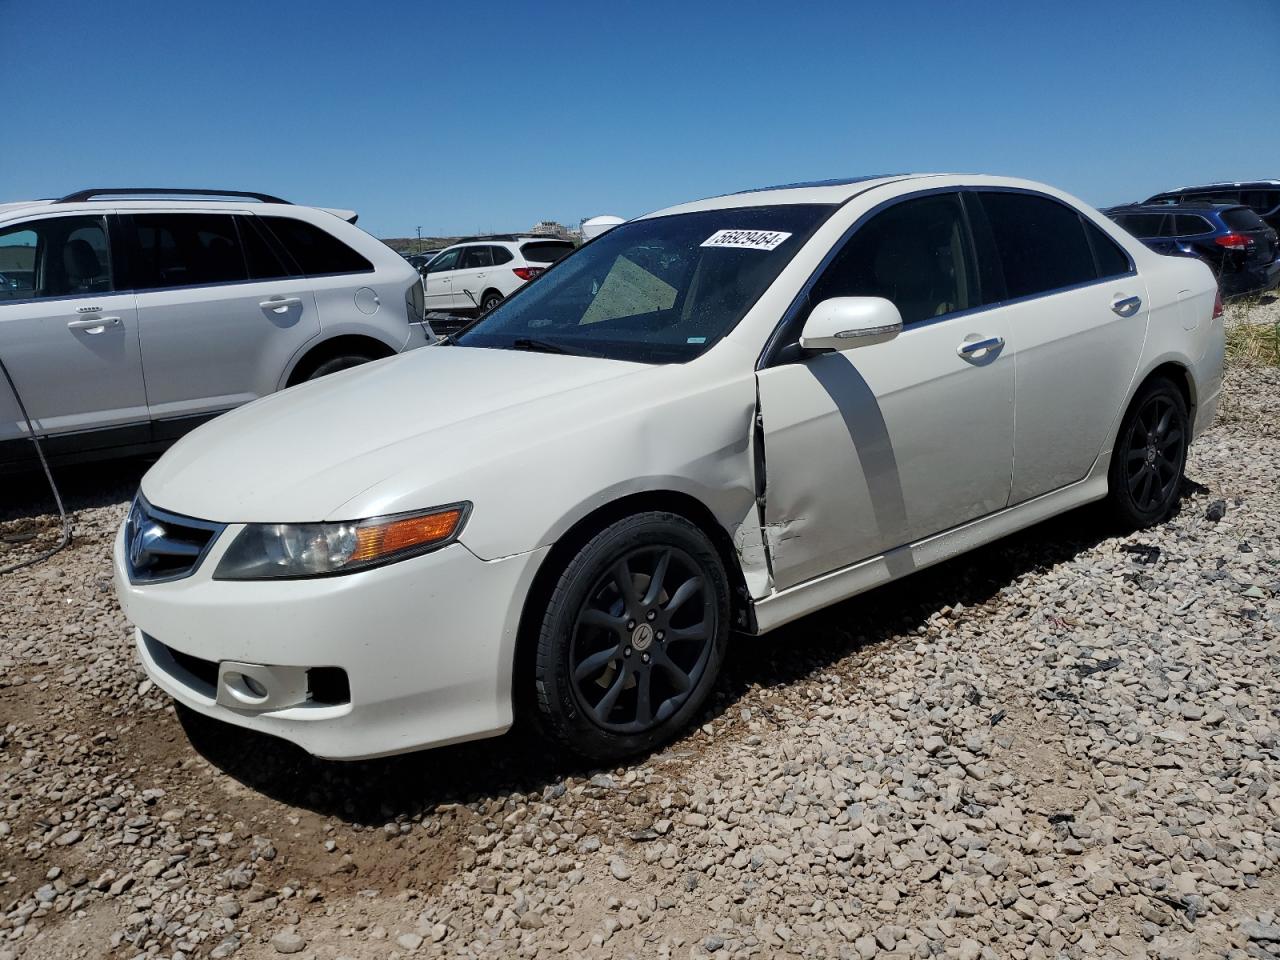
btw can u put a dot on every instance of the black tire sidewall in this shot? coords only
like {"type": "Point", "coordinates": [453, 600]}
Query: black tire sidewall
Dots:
{"type": "Point", "coordinates": [556, 705]}
{"type": "Point", "coordinates": [1122, 502]}
{"type": "Point", "coordinates": [336, 364]}
{"type": "Point", "coordinates": [489, 302]}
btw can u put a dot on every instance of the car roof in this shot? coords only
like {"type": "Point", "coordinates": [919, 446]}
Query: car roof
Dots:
{"type": "Point", "coordinates": [74, 203]}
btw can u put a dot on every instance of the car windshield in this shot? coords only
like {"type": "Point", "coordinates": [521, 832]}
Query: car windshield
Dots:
{"type": "Point", "coordinates": [661, 290]}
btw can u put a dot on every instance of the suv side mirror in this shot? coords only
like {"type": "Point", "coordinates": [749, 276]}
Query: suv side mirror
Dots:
{"type": "Point", "coordinates": [843, 323]}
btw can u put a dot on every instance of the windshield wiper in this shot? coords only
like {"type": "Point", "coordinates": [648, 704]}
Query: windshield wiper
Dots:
{"type": "Point", "coordinates": [536, 346]}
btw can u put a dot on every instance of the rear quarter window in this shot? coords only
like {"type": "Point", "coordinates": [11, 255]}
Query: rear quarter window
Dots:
{"type": "Point", "coordinates": [1244, 220]}
{"type": "Point", "coordinates": [1187, 225]}
{"type": "Point", "coordinates": [1111, 259]}
{"type": "Point", "coordinates": [546, 251]}
{"type": "Point", "coordinates": [315, 251]}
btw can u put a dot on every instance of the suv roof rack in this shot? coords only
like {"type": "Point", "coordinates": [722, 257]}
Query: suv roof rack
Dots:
{"type": "Point", "coordinates": [81, 195]}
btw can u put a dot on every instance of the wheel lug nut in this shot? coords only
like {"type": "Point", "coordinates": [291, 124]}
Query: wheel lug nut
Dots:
{"type": "Point", "coordinates": [626, 652]}
{"type": "Point", "coordinates": [644, 657]}
{"type": "Point", "coordinates": [650, 615]}
{"type": "Point", "coordinates": [631, 624]}
{"type": "Point", "coordinates": [660, 635]}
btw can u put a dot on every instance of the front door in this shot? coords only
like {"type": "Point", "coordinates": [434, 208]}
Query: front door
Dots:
{"type": "Point", "coordinates": [873, 448]}
{"type": "Point", "coordinates": [68, 340]}
{"type": "Point", "coordinates": [219, 314]}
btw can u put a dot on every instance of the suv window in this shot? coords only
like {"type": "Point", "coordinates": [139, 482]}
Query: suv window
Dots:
{"type": "Point", "coordinates": [473, 258]}
{"type": "Point", "coordinates": [1241, 219]}
{"type": "Point", "coordinates": [315, 251]}
{"type": "Point", "coordinates": [186, 249]}
{"type": "Point", "coordinates": [1041, 242]}
{"type": "Point", "coordinates": [260, 255]}
{"type": "Point", "coordinates": [58, 257]}
{"type": "Point", "coordinates": [1189, 225]}
{"type": "Point", "coordinates": [915, 254]}
{"type": "Point", "coordinates": [1142, 225]}
{"type": "Point", "coordinates": [501, 255]}
{"type": "Point", "coordinates": [445, 261]}
{"type": "Point", "coordinates": [546, 251]}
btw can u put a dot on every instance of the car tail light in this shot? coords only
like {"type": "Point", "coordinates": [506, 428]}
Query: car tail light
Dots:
{"type": "Point", "coordinates": [527, 273]}
{"type": "Point", "coordinates": [1234, 241]}
{"type": "Point", "coordinates": [1217, 304]}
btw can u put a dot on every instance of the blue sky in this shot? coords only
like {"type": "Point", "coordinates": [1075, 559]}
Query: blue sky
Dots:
{"type": "Point", "coordinates": [464, 117]}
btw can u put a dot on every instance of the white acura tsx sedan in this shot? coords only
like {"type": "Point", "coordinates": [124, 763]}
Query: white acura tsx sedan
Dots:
{"type": "Point", "coordinates": [718, 417]}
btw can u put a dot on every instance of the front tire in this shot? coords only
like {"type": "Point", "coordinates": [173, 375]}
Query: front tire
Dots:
{"type": "Point", "coordinates": [1150, 456]}
{"type": "Point", "coordinates": [632, 637]}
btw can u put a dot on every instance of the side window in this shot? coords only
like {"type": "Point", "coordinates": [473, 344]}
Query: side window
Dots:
{"type": "Point", "coordinates": [915, 254]}
{"type": "Point", "coordinates": [1111, 259]}
{"type": "Point", "coordinates": [1041, 243]}
{"type": "Point", "coordinates": [260, 256]}
{"type": "Point", "coordinates": [315, 251]}
{"type": "Point", "coordinates": [474, 258]}
{"type": "Point", "coordinates": [1185, 225]}
{"type": "Point", "coordinates": [58, 257]}
{"type": "Point", "coordinates": [186, 249]}
{"type": "Point", "coordinates": [1142, 225]}
{"type": "Point", "coordinates": [445, 261]}
{"type": "Point", "coordinates": [501, 255]}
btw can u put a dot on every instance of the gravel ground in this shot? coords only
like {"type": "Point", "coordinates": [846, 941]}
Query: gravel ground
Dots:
{"type": "Point", "coordinates": [1064, 744]}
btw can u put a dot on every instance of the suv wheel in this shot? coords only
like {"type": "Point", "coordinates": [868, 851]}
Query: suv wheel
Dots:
{"type": "Point", "coordinates": [1150, 456]}
{"type": "Point", "coordinates": [491, 299]}
{"type": "Point", "coordinates": [632, 637]}
{"type": "Point", "coordinates": [334, 364]}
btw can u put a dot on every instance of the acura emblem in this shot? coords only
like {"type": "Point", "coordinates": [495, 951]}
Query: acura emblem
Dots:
{"type": "Point", "coordinates": [146, 536]}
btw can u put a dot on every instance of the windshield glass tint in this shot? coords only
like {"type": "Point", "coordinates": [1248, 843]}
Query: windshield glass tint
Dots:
{"type": "Point", "coordinates": [654, 291]}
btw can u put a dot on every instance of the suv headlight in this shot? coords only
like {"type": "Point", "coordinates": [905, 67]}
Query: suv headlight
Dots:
{"type": "Point", "coordinates": [278, 551]}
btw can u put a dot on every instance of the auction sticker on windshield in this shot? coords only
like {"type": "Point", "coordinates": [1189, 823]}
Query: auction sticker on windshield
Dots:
{"type": "Point", "coordinates": [746, 239]}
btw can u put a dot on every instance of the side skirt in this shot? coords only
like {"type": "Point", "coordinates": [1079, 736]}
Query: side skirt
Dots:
{"type": "Point", "coordinates": [805, 598]}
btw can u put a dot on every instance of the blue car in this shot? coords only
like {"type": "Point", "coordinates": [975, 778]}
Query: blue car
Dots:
{"type": "Point", "coordinates": [1242, 250]}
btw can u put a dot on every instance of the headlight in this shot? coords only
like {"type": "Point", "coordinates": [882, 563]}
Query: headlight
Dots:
{"type": "Point", "coordinates": [275, 551]}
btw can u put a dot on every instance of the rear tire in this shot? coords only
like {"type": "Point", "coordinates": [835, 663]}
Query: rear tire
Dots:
{"type": "Point", "coordinates": [632, 637]}
{"type": "Point", "coordinates": [343, 361]}
{"type": "Point", "coordinates": [1150, 455]}
{"type": "Point", "coordinates": [490, 300]}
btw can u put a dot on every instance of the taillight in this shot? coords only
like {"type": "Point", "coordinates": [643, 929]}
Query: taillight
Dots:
{"type": "Point", "coordinates": [1217, 304]}
{"type": "Point", "coordinates": [528, 273]}
{"type": "Point", "coordinates": [1234, 241]}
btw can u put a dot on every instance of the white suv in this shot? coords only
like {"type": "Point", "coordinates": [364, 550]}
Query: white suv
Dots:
{"type": "Point", "coordinates": [481, 273]}
{"type": "Point", "coordinates": [127, 317]}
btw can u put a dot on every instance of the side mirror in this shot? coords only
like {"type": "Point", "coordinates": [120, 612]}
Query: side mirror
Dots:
{"type": "Point", "coordinates": [843, 323]}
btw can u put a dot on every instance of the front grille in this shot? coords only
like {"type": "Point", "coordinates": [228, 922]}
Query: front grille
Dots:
{"type": "Point", "coordinates": [161, 546]}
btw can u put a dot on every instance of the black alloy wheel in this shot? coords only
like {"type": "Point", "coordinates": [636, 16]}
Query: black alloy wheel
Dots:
{"type": "Point", "coordinates": [633, 636]}
{"type": "Point", "coordinates": [1150, 455]}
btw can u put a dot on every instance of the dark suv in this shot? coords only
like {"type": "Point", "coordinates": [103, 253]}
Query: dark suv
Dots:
{"type": "Point", "coordinates": [1260, 196]}
{"type": "Point", "coordinates": [1242, 250]}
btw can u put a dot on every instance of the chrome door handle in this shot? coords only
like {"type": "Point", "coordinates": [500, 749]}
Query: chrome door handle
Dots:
{"type": "Point", "coordinates": [1126, 306]}
{"type": "Point", "coordinates": [970, 347]}
{"type": "Point", "coordinates": [280, 303]}
{"type": "Point", "coordinates": [94, 324]}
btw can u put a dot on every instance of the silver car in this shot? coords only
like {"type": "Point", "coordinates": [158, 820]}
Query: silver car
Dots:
{"type": "Point", "coordinates": [128, 317]}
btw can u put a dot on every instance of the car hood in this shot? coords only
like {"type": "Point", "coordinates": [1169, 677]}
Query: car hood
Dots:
{"type": "Point", "coordinates": [308, 453]}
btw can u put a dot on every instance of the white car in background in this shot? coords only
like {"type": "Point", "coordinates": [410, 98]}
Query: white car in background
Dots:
{"type": "Point", "coordinates": [128, 317]}
{"type": "Point", "coordinates": [723, 415]}
{"type": "Point", "coordinates": [479, 274]}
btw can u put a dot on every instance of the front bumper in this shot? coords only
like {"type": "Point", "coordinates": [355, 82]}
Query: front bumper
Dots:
{"type": "Point", "coordinates": [426, 646]}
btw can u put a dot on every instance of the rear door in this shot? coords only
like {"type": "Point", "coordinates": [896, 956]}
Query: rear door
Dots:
{"type": "Point", "coordinates": [68, 337]}
{"type": "Point", "coordinates": [437, 280]}
{"type": "Point", "coordinates": [1077, 314]}
{"type": "Point", "coordinates": [472, 276]}
{"type": "Point", "coordinates": [220, 314]}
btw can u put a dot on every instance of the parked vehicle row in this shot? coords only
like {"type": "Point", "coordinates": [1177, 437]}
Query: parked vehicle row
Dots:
{"type": "Point", "coordinates": [723, 415]}
{"type": "Point", "coordinates": [128, 317]}
{"type": "Point", "coordinates": [1231, 226]}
